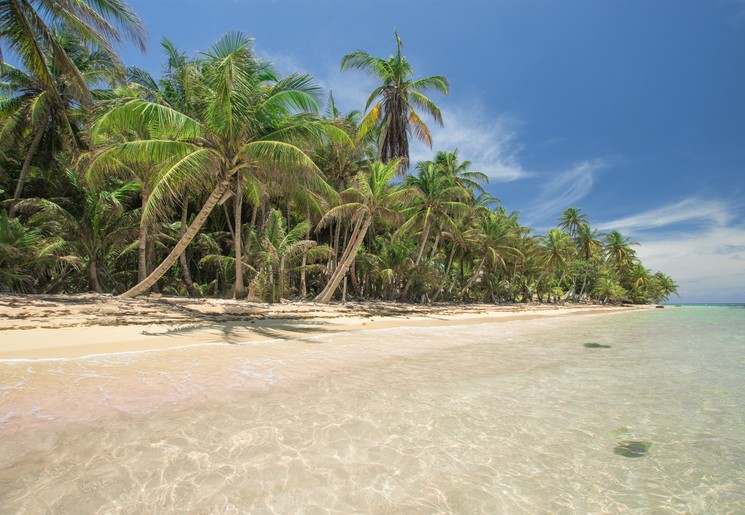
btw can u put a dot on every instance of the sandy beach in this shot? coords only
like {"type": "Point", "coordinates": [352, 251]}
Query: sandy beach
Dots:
{"type": "Point", "coordinates": [59, 326]}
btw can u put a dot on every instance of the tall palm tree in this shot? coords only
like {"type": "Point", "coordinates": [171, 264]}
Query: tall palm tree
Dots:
{"type": "Point", "coordinates": [450, 164]}
{"type": "Point", "coordinates": [558, 249]}
{"type": "Point", "coordinates": [589, 246]}
{"type": "Point", "coordinates": [244, 124]}
{"type": "Point", "coordinates": [394, 101]}
{"type": "Point", "coordinates": [572, 220]}
{"type": "Point", "coordinates": [618, 251]}
{"type": "Point", "coordinates": [371, 196]}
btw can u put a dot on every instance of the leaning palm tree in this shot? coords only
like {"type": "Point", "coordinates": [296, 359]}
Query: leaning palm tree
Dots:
{"type": "Point", "coordinates": [371, 196]}
{"type": "Point", "coordinates": [26, 29]}
{"type": "Point", "coordinates": [244, 124]}
{"type": "Point", "coordinates": [30, 117]}
{"type": "Point", "coordinates": [394, 101]}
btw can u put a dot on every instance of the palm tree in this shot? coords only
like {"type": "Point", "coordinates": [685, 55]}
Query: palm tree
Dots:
{"type": "Point", "coordinates": [279, 252]}
{"type": "Point", "coordinates": [244, 124]}
{"type": "Point", "coordinates": [618, 251]}
{"type": "Point", "coordinates": [589, 245]}
{"type": "Point", "coordinates": [558, 249]}
{"type": "Point", "coordinates": [28, 114]}
{"type": "Point", "coordinates": [572, 220]}
{"type": "Point", "coordinates": [436, 200]}
{"type": "Point", "coordinates": [27, 30]}
{"type": "Point", "coordinates": [450, 164]}
{"type": "Point", "coordinates": [371, 196]}
{"type": "Point", "coordinates": [93, 224]}
{"type": "Point", "coordinates": [394, 101]}
{"type": "Point", "coordinates": [662, 286]}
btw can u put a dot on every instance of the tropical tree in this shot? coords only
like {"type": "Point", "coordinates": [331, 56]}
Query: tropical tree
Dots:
{"type": "Point", "coordinates": [558, 249]}
{"type": "Point", "coordinates": [572, 219]}
{"type": "Point", "coordinates": [394, 101]}
{"type": "Point", "coordinates": [370, 196]}
{"type": "Point", "coordinates": [436, 199]}
{"type": "Point", "coordinates": [451, 165]}
{"type": "Point", "coordinates": [28, 115]}
{"type": "Point", "coordinates": [618, 252]}
{"type": "Point", "coordinates": [280, 251]}
{"type": "Point", "coordinates": [27, 30]}
{"type": "Point", "coordinates": [589, 246]}
{"type": "Point", "coordinates": [94, 224]}
{"type": "Point", "coordinates": [244, 124]}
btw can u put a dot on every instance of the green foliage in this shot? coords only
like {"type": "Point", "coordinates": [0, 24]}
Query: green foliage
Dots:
{"type": "Point", "coordinates": [223, 169]}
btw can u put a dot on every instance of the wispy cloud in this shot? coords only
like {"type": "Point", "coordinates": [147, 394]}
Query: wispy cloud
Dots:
{"type": "Point", "coordinates": [696, 260]}
{"type": "Point", "coordinates": [687, 210]}
{"type": "Point", "coordinates": [564, 190]}
{"type": "Point", "coordinates": [705, 260]}
{"type": "Point", "coordinates": [490, 143]}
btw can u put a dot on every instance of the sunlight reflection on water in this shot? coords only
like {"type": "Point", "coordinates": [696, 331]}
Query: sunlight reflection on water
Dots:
{"type": "Point", "coordinates": [509, 417]}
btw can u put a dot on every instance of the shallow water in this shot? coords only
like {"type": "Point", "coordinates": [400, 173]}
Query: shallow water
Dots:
{"type": "Point", "coordinates": [513, 417]}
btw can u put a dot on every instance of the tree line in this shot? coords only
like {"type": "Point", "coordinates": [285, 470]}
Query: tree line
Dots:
{"type": "Point", "coordinates": [223, 177]}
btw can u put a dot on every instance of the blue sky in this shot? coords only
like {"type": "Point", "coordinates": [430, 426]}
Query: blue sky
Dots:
{"type": "Point", "coordinates": [634, 111]}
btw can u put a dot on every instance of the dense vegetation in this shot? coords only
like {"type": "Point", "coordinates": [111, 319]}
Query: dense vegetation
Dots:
{"type": "Point", "coordinates": [222, 177]}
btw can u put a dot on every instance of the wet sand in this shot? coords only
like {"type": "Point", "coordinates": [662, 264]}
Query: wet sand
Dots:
{"type": "Point", "coordinates": [59, 326]}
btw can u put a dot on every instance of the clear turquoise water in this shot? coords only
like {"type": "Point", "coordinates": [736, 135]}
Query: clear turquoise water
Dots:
{"type": "Point", "coordinates": [514, 417]}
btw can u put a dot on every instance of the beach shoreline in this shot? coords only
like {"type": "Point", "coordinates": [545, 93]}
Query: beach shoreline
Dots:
{"type": "Point", "coordinates": [75, 326]}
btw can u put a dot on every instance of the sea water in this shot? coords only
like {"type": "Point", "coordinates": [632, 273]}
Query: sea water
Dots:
{"type": "Point", "coordinates": [509, 417]}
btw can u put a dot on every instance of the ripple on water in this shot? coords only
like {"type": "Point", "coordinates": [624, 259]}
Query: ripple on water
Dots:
{"type": "Point", "coordinates": [491, 419]}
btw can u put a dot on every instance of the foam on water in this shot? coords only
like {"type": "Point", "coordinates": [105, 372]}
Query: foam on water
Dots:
{"type": "Point", "coordinates": [514, 417]}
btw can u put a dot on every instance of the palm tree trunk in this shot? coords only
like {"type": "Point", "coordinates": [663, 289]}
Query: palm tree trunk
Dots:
{"type": "Point", "coordinates": [25, 169]}
{"type": "Point", "coordinates": [183, 261]}
{"type": "Point", "coordinates": [473, 278]}
{"type": "Point", "coordinates": [239, 290]}
{"type": "Point", "coordinates": [584, 283]}
{"type": "Point", "coordinates": [201, 217]}
{"type": "Point", "coordinates": [422, 244]}
{"type": "Point", "coordinates": [303, 286]}
{"type": "Point", "coordinates": [93, 282]}
{"type": "Point", "coordinates": [142, 244]}
{"type": "Point", "coordinates": [355, 241]}
{"type": "Point", "coordinates": [441, 288]}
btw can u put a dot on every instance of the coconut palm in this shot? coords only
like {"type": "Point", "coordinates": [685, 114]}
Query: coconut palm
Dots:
{"type": "Point", "coordinates": [589, 246]}
{"type": "Point", "coordinates": [394, 101]}
{"type": "Point", "coordinates": [451, 165]}
{"type": "Point", "coordinates": [618, 251]}
{"type": "Point", "coordinates": [31, 119]}
{"type": "Point", "coordinates": [93, 224]}
{"type": "Point", "coordinates": [279, 252]}
{"type": "Point", "coordinates": [436, 199]}
{"type": "Point", "coordinates": [370, 196]}
{"type": "Point", "coordinates": [558, 249]}
{"type": "Point", "coordinates": [244, 124]}
{"type": "Point", "coordinates": [27, 30]}
{"type": "Point", "coordinates": [572, 219]}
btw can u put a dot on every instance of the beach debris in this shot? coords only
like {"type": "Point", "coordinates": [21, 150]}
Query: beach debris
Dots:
{"type": "Point", "coordinates": [632, 448]}
{"type": "Point", "coordinates": [594, 345]}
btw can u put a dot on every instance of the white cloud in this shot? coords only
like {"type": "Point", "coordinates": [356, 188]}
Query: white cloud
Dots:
{"type": "Point", "coordinates": [687, 210]}
{"type": "Point", "coordinates": [490, 143]}
{"type": "Point", "coordinates": [696, 261]}
{"type": "Point", "coordinates": [707, 261]}
{"type": "Point", "coordinates": [564, 190]}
